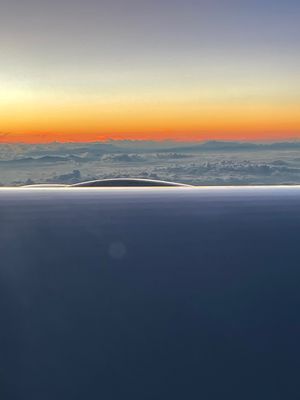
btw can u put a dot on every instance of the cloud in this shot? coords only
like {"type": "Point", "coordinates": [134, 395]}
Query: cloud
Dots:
{"type": "Point", "coordinates": [72, 177]}
{"type": "Point", "coordinates": [116, 158]}
{"type": "Point", "coordinates": [210, 163]}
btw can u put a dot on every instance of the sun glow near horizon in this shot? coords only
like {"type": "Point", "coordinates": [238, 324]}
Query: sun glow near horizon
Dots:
{"type": "Point", "coordinates": [71, 121]}
{"type": "Point", "coordinates": [165, 70]}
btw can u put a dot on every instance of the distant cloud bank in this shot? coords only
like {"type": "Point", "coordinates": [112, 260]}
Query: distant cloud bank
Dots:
{"type": "Point", "coordinates": [209, 163]}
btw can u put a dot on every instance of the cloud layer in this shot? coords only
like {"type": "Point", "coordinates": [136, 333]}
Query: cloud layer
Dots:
{"type": "Point", "coordinates": [211, 163]}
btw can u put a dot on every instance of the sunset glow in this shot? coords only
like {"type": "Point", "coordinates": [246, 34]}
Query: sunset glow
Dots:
{"type": "Point", "coordinates": [135, 70]}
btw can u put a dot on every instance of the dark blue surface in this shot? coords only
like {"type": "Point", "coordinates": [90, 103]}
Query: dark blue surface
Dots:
{"type": "Point", "coordinates": [150, 293]}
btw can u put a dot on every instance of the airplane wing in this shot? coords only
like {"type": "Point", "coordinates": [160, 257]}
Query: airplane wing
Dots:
{"type": "Point", "coordinates": [150, 293]}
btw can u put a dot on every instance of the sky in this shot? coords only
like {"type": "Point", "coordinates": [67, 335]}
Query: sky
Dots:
{"type": "Point", "coordinates": [88, 70]}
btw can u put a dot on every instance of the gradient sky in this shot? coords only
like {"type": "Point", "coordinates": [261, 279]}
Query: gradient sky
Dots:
{"type": "Point", "coordinates": [187, 70]}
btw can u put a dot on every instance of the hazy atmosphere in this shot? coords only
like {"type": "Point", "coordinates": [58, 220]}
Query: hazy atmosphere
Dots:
{"type": "Point", "coordinates": [74, 70]}
{"type": "Point", "coordinates": [101, 89]}
{"type": "Point", "coordinates": [208, 163]}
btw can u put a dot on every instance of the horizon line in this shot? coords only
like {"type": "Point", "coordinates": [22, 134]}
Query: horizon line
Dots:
{"type": "Point", "coordinates": [108, 141]}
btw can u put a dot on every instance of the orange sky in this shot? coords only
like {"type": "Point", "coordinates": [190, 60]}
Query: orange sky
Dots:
{"type": "Point", "coordinates": [127, 69]}
{"type": "Point", "coordinates": [150, 121]}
